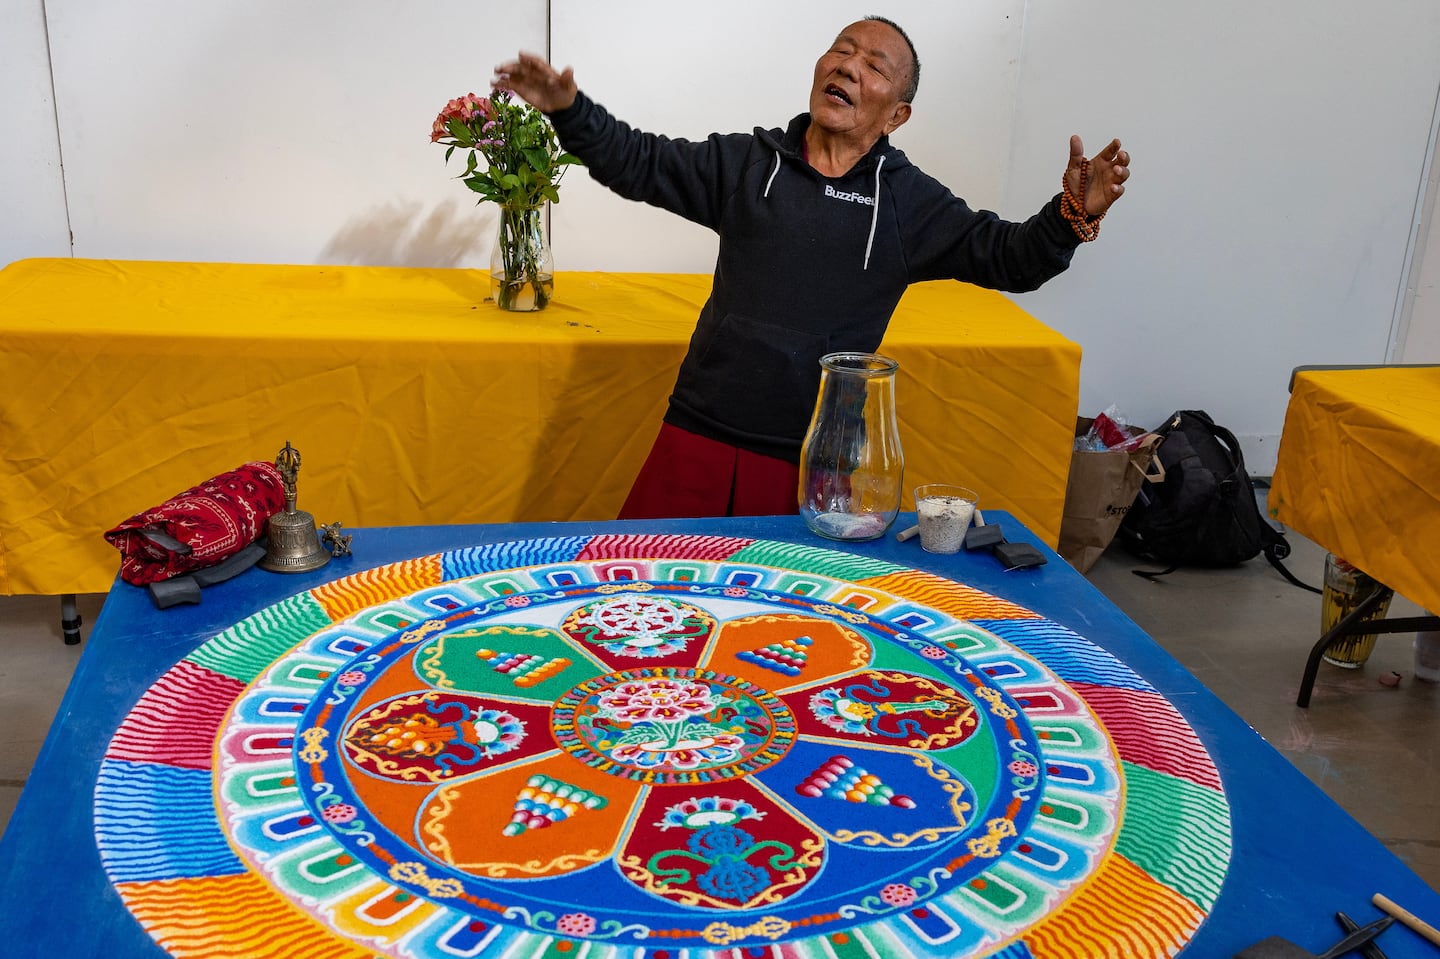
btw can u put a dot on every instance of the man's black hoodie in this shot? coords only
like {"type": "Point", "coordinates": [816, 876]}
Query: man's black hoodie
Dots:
{"type": "Point", "coordinates": [808, 264]}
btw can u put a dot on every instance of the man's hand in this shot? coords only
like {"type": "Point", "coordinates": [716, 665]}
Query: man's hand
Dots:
{"type": "Point", "coordinates": [537, 83]}
{"type": "Point", "coordinates": [1109, 169]}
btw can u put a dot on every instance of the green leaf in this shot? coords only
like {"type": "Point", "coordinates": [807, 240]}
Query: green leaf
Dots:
{"type": "Point", "coordinates": [524, 168]}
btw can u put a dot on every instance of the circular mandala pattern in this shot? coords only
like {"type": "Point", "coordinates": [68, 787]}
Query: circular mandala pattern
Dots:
{"type": "Point", "coordinates": [667, 725]}
{"type": "Point", "coordinates": [724, 745]}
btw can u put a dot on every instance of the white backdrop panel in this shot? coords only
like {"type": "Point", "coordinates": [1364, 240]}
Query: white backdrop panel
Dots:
{"type": "Point", "coordinates": [32, 191]}
{"type": "Point", "coordinates": [688, 70]}
{"type": "Point", "coordinates": [1277, 150]}
{"type": "Point", "coordinates": [272, 131]}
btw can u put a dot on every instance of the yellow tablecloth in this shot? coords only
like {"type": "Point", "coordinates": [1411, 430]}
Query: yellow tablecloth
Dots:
{"type": "Point", "coordinates": [414, 400]}
{"type": "Point", "coordinates": [1358, 471]}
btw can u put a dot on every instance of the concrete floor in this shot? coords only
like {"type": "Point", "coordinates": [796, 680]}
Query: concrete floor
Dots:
{"type": "Point", "coordinates": [1244, 632]}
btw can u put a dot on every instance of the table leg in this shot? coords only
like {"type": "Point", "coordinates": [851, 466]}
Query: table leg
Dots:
{"type": "Point", "coordinates": [69, 619]}
{"type": "Point", "coordinates": [1354, 624]}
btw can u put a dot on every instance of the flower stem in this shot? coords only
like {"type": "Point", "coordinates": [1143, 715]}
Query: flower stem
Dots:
{"type": "Point", "coordinates": [522, 253]}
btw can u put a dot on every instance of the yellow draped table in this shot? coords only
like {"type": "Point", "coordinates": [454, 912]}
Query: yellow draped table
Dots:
{"type": "Point", "coordinates": [1358, 471]}
{"type": "Point", "coordinates": [414, 400]}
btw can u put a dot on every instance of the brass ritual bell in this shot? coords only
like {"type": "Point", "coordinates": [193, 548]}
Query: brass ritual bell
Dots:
{"type": "Point", "coordinates": [294, 541]}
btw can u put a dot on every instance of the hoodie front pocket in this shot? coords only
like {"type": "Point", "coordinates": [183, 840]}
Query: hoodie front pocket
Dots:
{"type": "Point", "coordinates": [758, 378]}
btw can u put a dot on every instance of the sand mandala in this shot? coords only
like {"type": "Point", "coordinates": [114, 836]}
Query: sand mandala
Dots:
{"type": "Point", "coordinates": [658, 747]}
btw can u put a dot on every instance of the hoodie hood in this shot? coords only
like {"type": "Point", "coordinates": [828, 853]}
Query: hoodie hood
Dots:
{"type": "Point", "coordinates": [790, 144]}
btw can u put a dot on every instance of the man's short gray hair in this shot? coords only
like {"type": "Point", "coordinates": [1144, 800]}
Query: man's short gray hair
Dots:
{"type": "Point", "coordinates": [910, 88]}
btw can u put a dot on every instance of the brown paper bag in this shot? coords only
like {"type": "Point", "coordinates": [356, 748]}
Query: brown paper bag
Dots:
{"type": "Point", "coordinates": [1098, 494]}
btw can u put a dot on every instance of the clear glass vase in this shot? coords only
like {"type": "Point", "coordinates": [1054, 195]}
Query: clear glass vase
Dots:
{"type": "Point", "coordinates": [852, 469]}
{"type": "Point", "coordinates": [522, 269]}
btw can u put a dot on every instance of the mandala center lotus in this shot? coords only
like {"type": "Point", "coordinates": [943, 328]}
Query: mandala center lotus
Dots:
{"type": "Point", "coordinates": [671, 725]}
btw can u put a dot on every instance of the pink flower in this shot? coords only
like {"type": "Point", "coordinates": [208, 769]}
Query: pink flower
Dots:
{"type": "Point", "coordinates": [474, 105]}
{"type": "Point", "coordinates": [351, 677]}
{"type": "Point", "coordinates": [1021, 767]}
{"type": "Point", "coordinates": [338, 813]}
{"type": "Point", "coordinates": [515, 602]}
{"type": "Point", "coordinates": [576, 924]}
{"type": "Point", "coordinates": [657, 701]}
{"type": "Point", "coordinates": [897, 894]}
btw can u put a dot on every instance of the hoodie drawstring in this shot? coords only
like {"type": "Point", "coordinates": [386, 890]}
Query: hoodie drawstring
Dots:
{"type": "Point", "coordinates": [874, 213]}
{"type": "Point", "coordinates": [772, 175]}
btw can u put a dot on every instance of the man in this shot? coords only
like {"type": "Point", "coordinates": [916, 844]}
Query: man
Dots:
{"type": "Point", "coordinates": [822, 226]}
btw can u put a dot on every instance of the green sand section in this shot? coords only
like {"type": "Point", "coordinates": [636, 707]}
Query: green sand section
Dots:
{"type": "Point", "coordinates": [1003, 894]}
{"type": "Point", "coordinates": [803, 584]}
{"type": "Point", "coordinates": [530, 662]}
{"type": "Point", "coordinates": [813, 559]}
{"type": "Point", "coordinates": [319, 870]}
{"type": "Point", "coordinates": [1076, 815]}
{"type": "Point", "coordinates": [977, 761]}
{"type": "Point", "coordinates": [863, 942]}
{"type": "Point", "coordinates": [256, 787]}
{"type": "Point", "coordinates": [1067, 736]}
{"type": "Point", "coordinates": [966, 639]}
{"type": "Point", "coordinates": [681, 571]}
{"type": "Point", "coordinates": [302, 670]}
{"type": "Point", "coordinates": [1179, 834]}
{"type": "Point", "coordinates": [251, 646]}
{"type": "Point", "coordinates": [891, 655]}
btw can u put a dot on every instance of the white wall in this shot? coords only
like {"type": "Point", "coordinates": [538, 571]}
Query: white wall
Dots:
{"type": "Point", "coordinates": [1279, 152]}
{"type": "Point", "coordinates": [270, 131]}
{"type": "Point", "coordinates": [687, 70]}
{"type": "Point", "coordinates": [1278, 148]}
{"type": "Point", "coordinates": [1417, 324]}
{"type": "Point", "coordinates": [32, 195]}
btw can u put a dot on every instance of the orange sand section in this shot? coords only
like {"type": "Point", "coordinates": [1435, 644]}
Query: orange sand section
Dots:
{"type": "Point", "coordinates": [229, 916]}
{"type": "Point", "coordinates": [948, 596]}
{"type": "Point", "coordinates": [465, 825]}
{"type": "Point", "coordinates": [1156, 920]}
{"type": "Point", "coordinates": [351, 594]}
{"type": "Point", "coordinates": [831, 651]}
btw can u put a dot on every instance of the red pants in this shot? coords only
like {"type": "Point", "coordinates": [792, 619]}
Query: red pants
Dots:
{"type": "Point", "coordinates": [687, 475]}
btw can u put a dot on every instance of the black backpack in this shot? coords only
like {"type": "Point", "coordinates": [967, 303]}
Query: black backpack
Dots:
{"type": "Point", "coordinates": [1203, 513]}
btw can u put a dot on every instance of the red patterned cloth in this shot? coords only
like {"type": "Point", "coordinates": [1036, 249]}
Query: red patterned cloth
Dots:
{"type": "Point", "coordinates": [216, 519]}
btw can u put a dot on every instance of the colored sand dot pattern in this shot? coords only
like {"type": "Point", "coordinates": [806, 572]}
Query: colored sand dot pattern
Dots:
{"type": "Point", "coordinates": [787, 657]}
{"type": "Point", "coordinates": [842, 779]}
{"type": "Point", "coordinates": [526, 669]}
{"type": "Point", "coordinates": [544, 801]}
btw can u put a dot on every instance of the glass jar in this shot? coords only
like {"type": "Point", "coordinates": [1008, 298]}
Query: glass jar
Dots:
{"type": "Point", "coordinates": [1345, 588]}
{"type": "Point", "coordinates": [851, 465]}
{"type": "Point", "coordinates": [522, 268]}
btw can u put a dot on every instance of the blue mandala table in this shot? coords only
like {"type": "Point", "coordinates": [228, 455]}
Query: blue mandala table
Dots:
{"type": "Point", "coordinates": [675, 740]}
